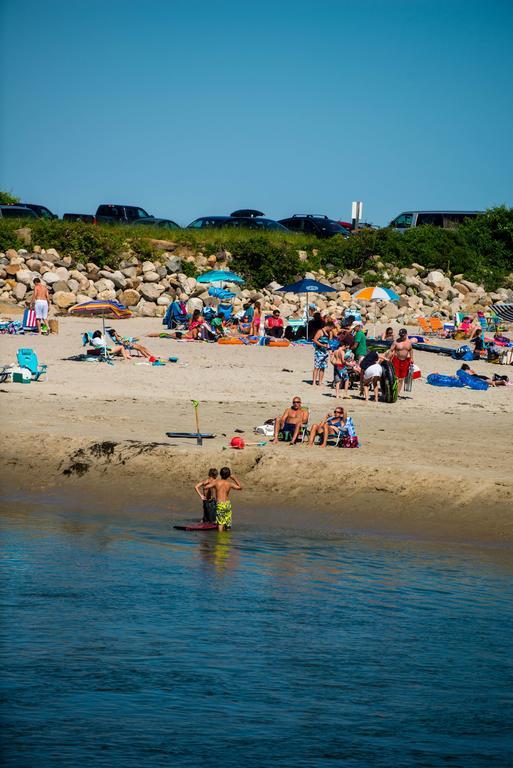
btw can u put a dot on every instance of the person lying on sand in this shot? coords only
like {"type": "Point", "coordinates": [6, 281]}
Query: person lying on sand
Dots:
{"type": "Point", "coordinates": [502, 382]}
{"type": "Point", "coordinates": [222, 487]}
{"type": "Point", "coordinates": [129, 345]}
{"type": "Point", "coordinates": [330, 426]}
{"type": "Point", "coordinates": [292, 420]}
{"type": "Point", "coordinates": [98, 341]}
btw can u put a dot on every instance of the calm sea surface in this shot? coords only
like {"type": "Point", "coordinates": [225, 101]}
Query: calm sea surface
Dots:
{"type": "Point", "coordinates": [127, 644]}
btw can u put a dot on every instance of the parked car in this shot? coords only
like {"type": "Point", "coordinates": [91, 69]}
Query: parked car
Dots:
{"type": "Point", "coordinates": [16, 212]}
{"type": "Point", "coordinates": [87, 218]}
{"type": "Point", "coordinates": [244, 222]}
{"type": "Point", "coordinates": [151, 222]}
{"type": "Point", "coordinates": [245, 212]}
{"type": "Point", "coordinates": [41, 211]}
{"type": "Point", "coordinates": [445, 219]}
{"type": "Point", "coordinates": [120, 214]}
{"type": "Point", "coordinates": [208, 222]}
{"type": "Point", "coordinates": [314, 224]}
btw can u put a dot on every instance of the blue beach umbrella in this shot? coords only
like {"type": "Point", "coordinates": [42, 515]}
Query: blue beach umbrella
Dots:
{"type": "Point", "coordinates": [220, 276]}
{"type": "Point", "coordinates": [307, 286]}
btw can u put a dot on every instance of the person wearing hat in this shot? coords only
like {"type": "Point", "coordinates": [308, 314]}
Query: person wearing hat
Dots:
{"type": "Point", "coordinates": [360, 341]}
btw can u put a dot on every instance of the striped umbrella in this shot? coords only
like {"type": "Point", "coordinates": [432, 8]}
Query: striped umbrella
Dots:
{"type": "Point", "coordinates": [504, 311]}
{"type": "Point", "coordinates": [375, 293]}
{"type": "Point", "coordinates": [97, 308]}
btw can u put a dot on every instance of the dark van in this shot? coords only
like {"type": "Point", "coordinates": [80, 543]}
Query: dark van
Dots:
{"type": "Point", "coordinates": [122, 214]}
{"type": "Point", "coordinates": [444, 219]}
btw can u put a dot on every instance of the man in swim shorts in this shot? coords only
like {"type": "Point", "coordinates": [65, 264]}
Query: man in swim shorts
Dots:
{"type": "Point", "coordinates": [291, 422]}
{"type": "Point", "coordinates": [40, 302]}
{"type": "Point", "coordinates": [222, 487]}
{"type": "Point", "coordinates": [401, 357]}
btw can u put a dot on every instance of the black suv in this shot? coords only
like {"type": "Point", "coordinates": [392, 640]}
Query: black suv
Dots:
{"type": "Point", "coordinates": [122, 214]}
{"type": "Point", "coordinates": [41, 211]}
{"type": "Point", "coordinates": [16, 212]}
{"type": "Point", "coordinates": [313, 224]}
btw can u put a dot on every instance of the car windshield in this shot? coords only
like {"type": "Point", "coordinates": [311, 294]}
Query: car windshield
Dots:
{"type": "Point", "coordinates": [403, 221]}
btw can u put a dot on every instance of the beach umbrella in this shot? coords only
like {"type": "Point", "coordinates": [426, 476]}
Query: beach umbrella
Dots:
{"type": "Point", "coordinates": [307, 286]}
{"type": "Point", "coordinates": [100, 308]}
{"type": "Point", "coordinates": [220, 276]}
{"type": "Point", "coordinates": [375, 293]}
{"type": "Point", "coordinates": [504, 311]}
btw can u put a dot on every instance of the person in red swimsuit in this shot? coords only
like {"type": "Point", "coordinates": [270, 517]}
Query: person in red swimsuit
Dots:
{"type": "Point", "coordinates": [401, 357]}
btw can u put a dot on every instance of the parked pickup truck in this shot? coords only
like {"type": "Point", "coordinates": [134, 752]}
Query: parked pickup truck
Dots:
{"type": "Point", "coordinates": [120, 214]}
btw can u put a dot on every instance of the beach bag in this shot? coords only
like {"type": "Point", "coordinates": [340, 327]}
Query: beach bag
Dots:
{"type": "Point", "coordinates": [462, 353]}
{"type": "Point", "coordinates": [349, 442]}
{"type": "Point", "coordinates": [266, 429]}
{"type": "Point", "coordinates": [29, 319]}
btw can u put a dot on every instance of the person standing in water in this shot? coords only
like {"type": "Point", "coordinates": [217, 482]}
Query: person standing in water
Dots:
{"type": "Point", "coordinates": [222, 487]}
{"type": "Point", "coordinates": [207, 495]}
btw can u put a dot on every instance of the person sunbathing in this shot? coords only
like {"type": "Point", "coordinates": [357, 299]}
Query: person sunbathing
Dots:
{"type": "Point", "coordinates": [330, 426]}
{"type": "Point", "coordinates": [500, 382]}
{"type": "Point", "coordinates": [99, 341]}
{"type": "Point", "coordinates": [131, 344]}
{"type": "Point", "coordinates": [293, 419]}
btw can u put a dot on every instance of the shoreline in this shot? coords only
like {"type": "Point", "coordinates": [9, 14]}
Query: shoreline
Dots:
{"type": "Point", "coordinates": [161, 477]}
{"type": "Point", "coordinates": [435, 464]}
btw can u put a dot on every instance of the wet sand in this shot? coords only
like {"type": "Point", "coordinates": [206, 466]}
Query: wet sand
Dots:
{"type": "Point", "coordinates": [437, 464]}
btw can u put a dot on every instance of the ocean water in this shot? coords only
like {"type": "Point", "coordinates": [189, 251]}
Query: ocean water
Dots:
{"type": "Point", "coordinates": [126, 643]}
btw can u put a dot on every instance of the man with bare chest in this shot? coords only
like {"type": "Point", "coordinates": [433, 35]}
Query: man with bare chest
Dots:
{"type": "Point", "coordinates": [40, 302]}
{"type": "Point", "coordinates": [401, 357]}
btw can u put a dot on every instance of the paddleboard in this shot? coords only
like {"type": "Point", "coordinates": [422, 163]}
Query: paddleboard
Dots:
{"type": "Point", "coordinates": [196, 527]}
{"type": "Point", "coordinates": [203, 435]}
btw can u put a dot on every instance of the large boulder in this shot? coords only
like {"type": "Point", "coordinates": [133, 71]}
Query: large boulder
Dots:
{"type": "Point", "coordinates": [64, 299]}
{"type": "Point", "coordinates": [60, 285]}
{"type": "Point", "coordinates": [19, 291]}
{"type": "Point", "coordinates": [130, 297]}
{"type": "Point", "coordinates": [104, 284]}
{"type": "Point", "coordinates": [50, 278]}
{"type": "Point", "coordinates": [146, 308]}
{"type": "Point", "coordinates": [73, 285]}
{"type": "Point", "coordinates": [63, 273]}
{"type": "Point", "coordinates": [148, 266]}
{"type": "Point", "coordinates": [129, 271]}
{"type": "Point", "coordinates": [24, 276]}
{"type": "Point", "coordinates": [150, 291]}
{"type": "Point", "coordinates": [107, 295]}
{"type": "Point", "coordinates": [436, 279]}
{"type": "Point", "coordinates": [193, 304]}
{"type": "Point", "coordinates": [173, 264]}
{"type": "Point", "coordinates": [150, 276]}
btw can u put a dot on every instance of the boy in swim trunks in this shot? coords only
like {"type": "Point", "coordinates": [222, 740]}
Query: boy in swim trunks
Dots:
{"type": "Point", "coordinates": [208, 497]}
{"type": "Point", "coordinates": [222, 487]}
{"type": "Point", "coordinates": [40, 302]}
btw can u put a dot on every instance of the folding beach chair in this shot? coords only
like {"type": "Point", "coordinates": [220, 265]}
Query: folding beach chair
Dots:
{"type": "Point", "coordinates": [27, 358]}
{"type": "Point", "coordinates": [98, 354]}
{"type": "Point", "coordinates": [424, 326]}
{"type": "Point", "coordinates": [436, 325]}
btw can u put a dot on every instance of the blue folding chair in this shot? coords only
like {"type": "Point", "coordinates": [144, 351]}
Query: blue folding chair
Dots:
{"type": "Point", "coordinates": [27, 358]}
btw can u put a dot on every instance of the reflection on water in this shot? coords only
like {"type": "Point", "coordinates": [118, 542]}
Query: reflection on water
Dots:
{"type": "Point", "coordinates": [127, 643]}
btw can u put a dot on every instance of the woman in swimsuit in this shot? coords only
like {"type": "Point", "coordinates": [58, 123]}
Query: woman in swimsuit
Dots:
{"type": "Point", "coordinates": [329, 427]}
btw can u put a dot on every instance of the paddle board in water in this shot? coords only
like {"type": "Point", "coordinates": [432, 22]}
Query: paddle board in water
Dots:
{"type": "Point", "coordinates": [196, 527]}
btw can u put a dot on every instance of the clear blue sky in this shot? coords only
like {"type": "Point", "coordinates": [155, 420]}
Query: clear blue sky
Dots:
{"type": "Point", "coordinates": [195, 107]}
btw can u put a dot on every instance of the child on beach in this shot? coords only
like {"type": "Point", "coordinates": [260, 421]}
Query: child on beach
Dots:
{"type": "Point", "coordinates": [207, 495]}
{"type": "Point", "coordinates": [222, 487]}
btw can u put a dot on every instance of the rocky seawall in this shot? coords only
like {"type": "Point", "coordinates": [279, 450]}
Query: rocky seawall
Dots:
{"type": "Point", "coordinates": [147, 287]}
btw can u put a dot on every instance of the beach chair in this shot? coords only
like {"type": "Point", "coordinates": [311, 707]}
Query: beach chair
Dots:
{"type": "Point", "coordinates": [424, 326]}
{"type": "Point", "coordinates": [304, 432]}
{"type": "Point", "coordinates": [27, 358]}
{"type": "Point", "coordinates": [98, 354]}
{"type": "Point", "coordinates": [436, 325]}
{"type": "Point", "coordinates": [225, 311]}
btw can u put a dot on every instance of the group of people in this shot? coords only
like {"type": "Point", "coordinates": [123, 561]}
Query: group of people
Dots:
{"type": "Point", "coordinates": [292, 425]}
{"type": "Point", "coordinates": [214, 491]}
{"type": "Point", "coordinates": [345, 347]}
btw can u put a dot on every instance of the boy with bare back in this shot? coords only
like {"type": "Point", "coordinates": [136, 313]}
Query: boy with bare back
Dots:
{"type": "Point", "coordinates": [207, 495]}
{"type": "Point", "coordinates": [222, 487]}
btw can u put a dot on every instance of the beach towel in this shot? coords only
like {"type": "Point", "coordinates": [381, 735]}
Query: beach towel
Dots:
{"type": "Point", "coordinates": [29, 319]}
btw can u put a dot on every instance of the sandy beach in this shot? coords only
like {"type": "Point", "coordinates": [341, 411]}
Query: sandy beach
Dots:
{"type": "Point", "coordinates": [435, 464]}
